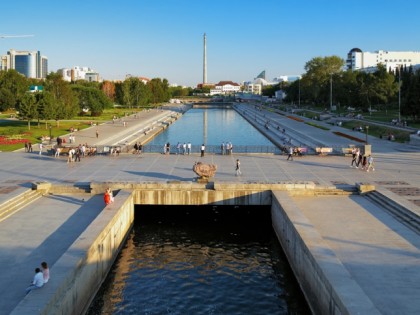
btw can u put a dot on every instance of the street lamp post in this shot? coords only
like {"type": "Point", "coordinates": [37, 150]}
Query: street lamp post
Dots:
{"type": "Point", "coordinates": [367, 131]}
{"type": "Point", "coordinates": [331, 105]}
{"type": "Point", "coordinates": [399, 96]}
{"type": "Point", "coordinates": [299, 94]}
{"type": "Point", "coordinates": [50, 134]}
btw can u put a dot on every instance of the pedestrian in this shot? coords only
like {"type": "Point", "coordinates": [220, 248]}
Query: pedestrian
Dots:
{"type": "Point", "coordinates": [238, 167]}
{"type": "Point", "coordinates": [26, 147]}
{"type": "Point", "coordinates": [97, 133]}
{"type": "Point", "coordinates": [355, 152]}
{"type": "Point", "coordinates": [37, 282]}
{"type": "Point", "coordinates": [40, 148]}
{"type": "Point", "coordinates": [108, 198]}
{"type": "Point", "coordinates": [140, 148]}
{"type": "Point", "coordinates": [189, 148]}
{"type": "Point", "coordinates": [222, 148]}
{"type": "Point", "coordinates": [184, 148]}
{"type": "Point", "coordinates": [77, 154]}
{"type": "Point", "coordinates": [359, 159]}
{"type": "Point", "coordinates": [45, 271]}
{"type": "Point", "coordinates": [178, 148]}
{"type": "Point", "coordinates": [370, 164]}
{"type": "Point", "coordinates": [290, 156]}
{"type": "Point", "coordinates": [203, 148]}
{"type": "Point", "coordinates": [364, 162]}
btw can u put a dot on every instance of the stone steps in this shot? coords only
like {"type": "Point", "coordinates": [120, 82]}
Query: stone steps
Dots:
{"type": "Point", "coordinates": [335, 191]}
{"type": "Point", "coordinates": [70, 189]}
{"type": "Point", "coordinates": [401, 213]}
{"type": "Point", "coordinates": [17, 203]}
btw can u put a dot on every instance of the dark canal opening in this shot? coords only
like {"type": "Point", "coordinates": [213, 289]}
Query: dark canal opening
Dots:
{"type": "Point", "coordinates": [201, 260]}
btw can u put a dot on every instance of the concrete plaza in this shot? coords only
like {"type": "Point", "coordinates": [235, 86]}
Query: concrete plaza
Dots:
{"type": "Point", "coordinates": [381, 254]}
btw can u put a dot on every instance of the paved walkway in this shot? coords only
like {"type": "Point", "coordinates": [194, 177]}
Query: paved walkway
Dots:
{"type": "Point", "coordinates": [44, 230]}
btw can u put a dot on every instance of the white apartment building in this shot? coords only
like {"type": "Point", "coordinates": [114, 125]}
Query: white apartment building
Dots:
{"type": "Point", "coordinates": [358, 60]}
{"type": "Point", "coordinates": [253, 88]}
{"type": "Point", "coordinates": [79, 73]}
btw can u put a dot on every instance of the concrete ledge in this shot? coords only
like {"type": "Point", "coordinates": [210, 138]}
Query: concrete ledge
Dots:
{"type": "Point", "coordinates": [326, 283]}
{"type": "Point", "coordinates": [79, 273]}
{"type": "Point", "coordinates": [365, 187]}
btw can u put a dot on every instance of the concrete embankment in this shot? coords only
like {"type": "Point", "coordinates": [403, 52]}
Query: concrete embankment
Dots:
{"type": "Point", "coordinates": [79, 273]}
{"type": "Point", "coordinates": [327, 285]}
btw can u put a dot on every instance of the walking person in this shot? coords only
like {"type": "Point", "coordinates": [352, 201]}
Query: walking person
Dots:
{"type": "Point", "coordinates": [238, 167]}
{"type": "Point", "coordinates": [97, 134]}
{"type": "Point", "coordinates": [370, 164]}
{"type": "Point", "coordinates": [355, 152]}
{"type": "Point", "coordinates": [40, 148]}
{"type": "Point", "coordinates": [222, 148]}
{"type": "Point", "coordinates": [290, 156]}
{"type": "Point", "coordinates": [203, 148]}
{"type": "Point", "coordinates": [189, 148]}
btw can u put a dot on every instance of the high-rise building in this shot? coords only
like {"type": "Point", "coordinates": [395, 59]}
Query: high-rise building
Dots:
{"type": "Point", "coordinates": [29, 63]}
{"type": "Point", "coordinates": [359, 60]}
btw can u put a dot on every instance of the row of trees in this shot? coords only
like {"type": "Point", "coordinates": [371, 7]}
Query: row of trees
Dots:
{"type": "Point", "coordinates": [324, 78]}
{"type": "Point", "coordinates": [60, 99]}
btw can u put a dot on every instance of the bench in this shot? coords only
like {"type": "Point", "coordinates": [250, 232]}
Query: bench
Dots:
{"type": "Point", "coordinates": [323, 151]}
{"type": "Point", "coordinates": [347, 151]}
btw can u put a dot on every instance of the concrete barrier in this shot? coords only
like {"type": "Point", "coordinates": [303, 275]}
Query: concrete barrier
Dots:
{"type": "Point", "coordinates": [79, 273]}
{"type": "Point", "coordinates": [325, 282]}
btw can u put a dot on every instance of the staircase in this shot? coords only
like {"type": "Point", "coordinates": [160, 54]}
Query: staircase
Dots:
{"type": "Point", "coordinates": [346, 190]}
{"type": "Point", "coordinates": [18, 202]}
{"type": "Point", "coordinates": [81, 188]}
{"type": "Point", "coordinates": [401, 213]}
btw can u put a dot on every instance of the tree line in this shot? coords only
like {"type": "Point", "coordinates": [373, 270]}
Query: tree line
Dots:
{"type": "Point", "coordinates": [60, 99]}
{"type": "Point", "coordinates": [325, 78]}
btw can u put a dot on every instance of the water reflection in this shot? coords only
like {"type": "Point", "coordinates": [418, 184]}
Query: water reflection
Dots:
{"type": "Point", "coordinates": [212, 127]}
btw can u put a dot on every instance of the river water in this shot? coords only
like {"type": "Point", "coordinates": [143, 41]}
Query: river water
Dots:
{"type": "Point", "coordinates": [211, 126]}
{"type": "Point", "coordinates": [201, 260]}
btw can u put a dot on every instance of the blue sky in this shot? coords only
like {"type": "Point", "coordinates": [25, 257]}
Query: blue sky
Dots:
{"type": "Point", "coordinates": [164, 38]}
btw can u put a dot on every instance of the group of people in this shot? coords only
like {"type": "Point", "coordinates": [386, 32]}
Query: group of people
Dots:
{"type": "Point", "coordinates": [41, 277]}
{"type": "Point", "coordinates": [226, 149]}
{"type": "Point", "coordinates": [184, 148]}
{"type": "Point", "coordinates": [138, 148]}
{"type": "Point", "coordinates": [364, 161]}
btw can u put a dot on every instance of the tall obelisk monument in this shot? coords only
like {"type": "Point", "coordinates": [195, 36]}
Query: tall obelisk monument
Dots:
{"type": "Point", "coordinates": [205, 61]}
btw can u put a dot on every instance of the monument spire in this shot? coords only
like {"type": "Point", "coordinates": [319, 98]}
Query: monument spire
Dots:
{"type": "Point", "coordinates": [205, 61]}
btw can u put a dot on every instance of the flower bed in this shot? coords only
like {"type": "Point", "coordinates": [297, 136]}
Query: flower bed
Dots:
{"type": "Point", "coordinates": [348, 136]}
{"type": "Point", "coordinates": [5, 140]}
{"type": "Point", "coordinates": [295, 118]}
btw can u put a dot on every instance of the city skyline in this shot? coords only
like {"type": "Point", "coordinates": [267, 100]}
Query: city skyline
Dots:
{"type": "Point", "coordinates": [165, 38]}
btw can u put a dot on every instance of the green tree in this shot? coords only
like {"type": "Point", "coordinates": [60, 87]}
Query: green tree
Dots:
{"type": "Point", "coordinates": [316, 80]}
{"type": "Point", "coordinates": [45, 106]}
{"type": "Point", "coordinates": [91, 98]}
{"type": "Point", "coordinates": [27, 108]}
{"type": "Point", "coordinates": [66, 102]}
{"type": "Point", "coordinates": [13, 86]}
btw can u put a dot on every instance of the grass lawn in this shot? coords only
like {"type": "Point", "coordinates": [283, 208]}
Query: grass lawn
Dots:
{"type": "Point", "coordinates": [14, 133]}
{"type": "Point", "coordinates": [377, 131]}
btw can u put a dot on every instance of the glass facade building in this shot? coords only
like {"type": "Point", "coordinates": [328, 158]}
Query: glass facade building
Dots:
{"type": "Point", "coordinates": [29, 63]}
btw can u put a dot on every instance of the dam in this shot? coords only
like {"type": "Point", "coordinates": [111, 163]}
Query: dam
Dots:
{"type": "Point", "coordinates": [323, 214]}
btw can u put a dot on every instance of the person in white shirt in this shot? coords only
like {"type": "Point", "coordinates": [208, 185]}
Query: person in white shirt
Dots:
{"type": "Point", "coordinates": [38, 281]}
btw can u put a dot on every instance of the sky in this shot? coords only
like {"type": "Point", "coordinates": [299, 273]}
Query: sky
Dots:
{"type": "Point", "coordinates": [164, 38]}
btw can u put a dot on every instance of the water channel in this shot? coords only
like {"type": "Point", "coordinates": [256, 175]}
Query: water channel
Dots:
{"type": "Point", "coordinates": [212, 126]}
{"type": "Point", "coordinates": [202, 260]}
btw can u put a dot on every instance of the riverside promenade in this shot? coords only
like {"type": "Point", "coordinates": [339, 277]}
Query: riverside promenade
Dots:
{"type": "Point", "coordinates": [380, 254]}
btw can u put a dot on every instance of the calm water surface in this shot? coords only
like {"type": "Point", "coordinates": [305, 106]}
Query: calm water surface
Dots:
{"type": "Point", "coordinates": [201, 260]}
{"type": "Point", "coordinates": [212, 127]}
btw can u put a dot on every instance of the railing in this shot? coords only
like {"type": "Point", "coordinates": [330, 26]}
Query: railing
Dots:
{"type": "Point", "coordinates": [214, 149]}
